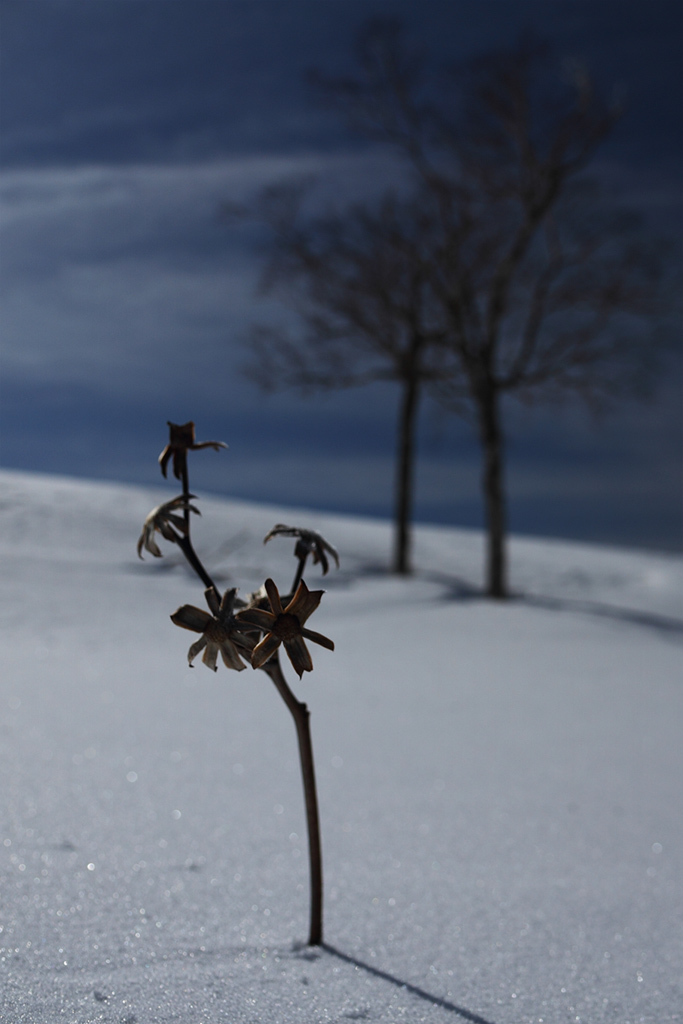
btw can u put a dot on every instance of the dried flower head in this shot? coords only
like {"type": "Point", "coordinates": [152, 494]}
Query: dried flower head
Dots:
{"type": "Point", "coordinates": [286, 626]}
{"type": "Point", "coordinates": [180, 442]}
{"type": "Point", "coordinates": [220, 631]}
{"type": "Point", "coordinates": [309, 542]}
{"type": "Point", "coordinates": [163, 519]}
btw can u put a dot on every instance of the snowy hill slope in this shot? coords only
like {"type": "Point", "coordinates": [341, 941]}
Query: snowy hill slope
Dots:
{"type": "Point", "coordinates": [500, 785]}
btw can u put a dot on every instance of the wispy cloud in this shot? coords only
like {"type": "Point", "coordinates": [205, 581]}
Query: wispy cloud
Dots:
{"type": "Point", "coordinates": [117, 276]}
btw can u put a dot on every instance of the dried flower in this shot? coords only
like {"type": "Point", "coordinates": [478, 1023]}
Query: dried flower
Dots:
{"type": "Point", "coordinates": [309, 543]}
{"type": "Point", "coordinates": [286, 626]}
{"type": "Point", "coordinates": [181, 441]}
{"type": "Point", "coordinates": [162, 519]}
{"type": "Point", "coordinates": [220, 631]}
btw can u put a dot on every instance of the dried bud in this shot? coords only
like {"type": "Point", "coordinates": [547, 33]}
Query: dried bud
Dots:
{"type": "Point", "coordinates": [163, 520]}
{"type": "Point", "coordinates": [309, 542]}
{"type": "Point", "coordinates": [180, 442]}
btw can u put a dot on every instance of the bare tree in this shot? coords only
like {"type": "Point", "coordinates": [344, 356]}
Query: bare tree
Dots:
{"type": "Point", "coordinates": [542, 287]}
{"type": "Point", "coordinates": [360, 285]}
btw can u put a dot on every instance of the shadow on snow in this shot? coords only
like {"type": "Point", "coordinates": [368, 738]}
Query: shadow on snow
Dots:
{"type": "Point", "coordinates": [415, 990]}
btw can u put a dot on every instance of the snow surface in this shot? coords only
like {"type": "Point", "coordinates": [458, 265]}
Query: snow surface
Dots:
{"type": "Point", "coordinates": [500, 784]}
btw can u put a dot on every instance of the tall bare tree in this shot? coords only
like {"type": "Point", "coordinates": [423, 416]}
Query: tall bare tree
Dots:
{"type": "Point", "coordinates": [360, 284]}
{"type": "Point", "coordinates": [499, 272]}
{"type": "Point", "coordinates": [542, 287]}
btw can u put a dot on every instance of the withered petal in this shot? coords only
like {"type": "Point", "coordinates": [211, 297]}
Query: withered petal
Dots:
{"type": "Point", "coordinates": [281, 530]}
{"type": "Point", "coordinates": [148, 542]}
{"type": "Point", "coordinates": [192, 618]}
{"type": "Point", "coordinates": [164, 457]}
{"type": "Point", "coordinates": [273, 596]}
{"type": "Point", "coordinates": [194, 650]}
{"type": "Point", "coordinates": [225, 608]}
{"type": "Point", "coordinates": [299, 655]}
{"type": "Point", "coordinates": [320, 556]}
{"type": "Point", "coordinates": [330, 549]}
{"type": "Point", "coordinates": [178, 521]}
{"type": "Point", "coordinates": [213, 601]}
{"type": "Point", "coordinates": [230, 656]}
{"type": "Point", "coordinates": [256, 617]}
{"type": "Point", "coordinates": [181, 502]}
{"type": "Point", "coordinates": [142, 542]}
{"type": "Point", "coordinates": [179, 462]}
{"type": "Point", "coordinates": [167, 531]}
{"type": "Point", "coordinates": [210, 656]}
{"type": "Point", "coordinates": [247, 643]}
{"type": "Point", "coordinates": [216, 445]}
{"type": "Point", "coordinates": [264, 650]}
{"type": "Point", "coordinates": [304, 602]}
{"type": "Point", "coordinates": [318, 638]}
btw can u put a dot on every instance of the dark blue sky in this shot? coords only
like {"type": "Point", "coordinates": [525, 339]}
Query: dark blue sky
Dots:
{"type": "Point", "coordinates": [124, 124]}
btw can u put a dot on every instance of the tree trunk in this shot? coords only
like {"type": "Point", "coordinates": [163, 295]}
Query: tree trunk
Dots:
{"type": "Point", "coordinates": [405, 472]}
{"type": "Point", "coordinates": [494, 493]}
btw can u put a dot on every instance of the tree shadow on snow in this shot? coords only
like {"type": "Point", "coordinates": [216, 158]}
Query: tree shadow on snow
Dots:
{"type": "Point", "coordinates": [415, 990]}
{"type": "Point", "coordinates": [664, 624]}
{"type": "Point", "coordinates": [453, 588]}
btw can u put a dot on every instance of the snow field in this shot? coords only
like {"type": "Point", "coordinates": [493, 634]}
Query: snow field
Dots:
{"type": "Point", "coordinates": [500, 785]}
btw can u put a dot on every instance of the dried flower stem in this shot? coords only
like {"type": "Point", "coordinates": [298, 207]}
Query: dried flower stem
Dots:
{"type": "Point", "coordinates": [299, 572]}
{"type": "Point", "coordinates": [185, 480]}
{"type": "Point", "coordinates": [185, 543]}
{"type": "Point", "coordinates": [301, 716]}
